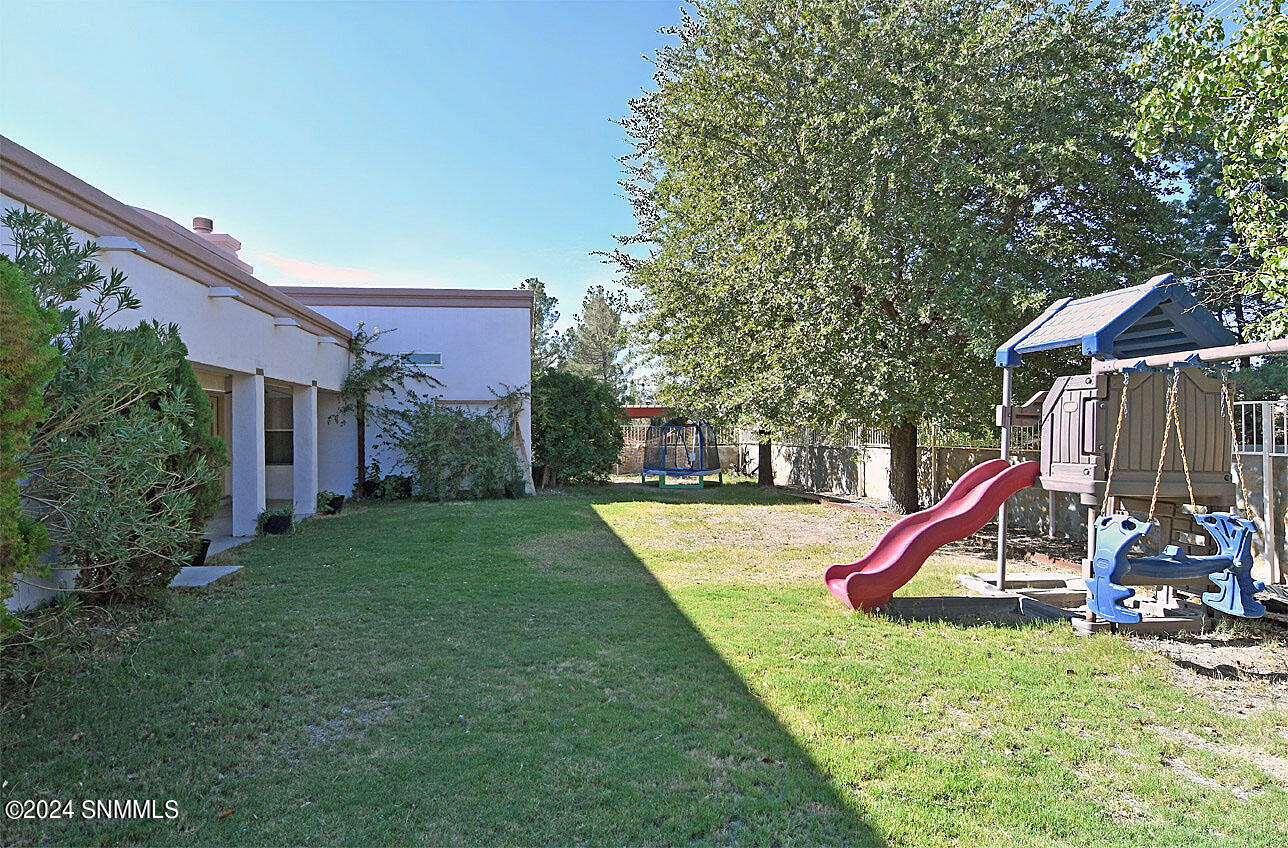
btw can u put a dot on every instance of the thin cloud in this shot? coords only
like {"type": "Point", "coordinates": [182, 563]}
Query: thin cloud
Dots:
{"type": "Point", "coordinates": [303, 271]}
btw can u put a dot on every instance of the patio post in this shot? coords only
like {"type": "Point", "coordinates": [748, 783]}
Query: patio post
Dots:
{"type": "Point", "coordinates": [249, 489]}
{"type": "Point", "coordinates": [305, 455]}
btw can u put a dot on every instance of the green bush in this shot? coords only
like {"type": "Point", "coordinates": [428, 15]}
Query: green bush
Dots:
{"type": "Point", "coordinates": [454, 455]}
{"type": "Point", "coordinates": [122, 470]}
{"type": "Point", "coordinates": [395, 487]}
{"type": "Point", "coordinates": [576, 429]}
{"type": "Point", "coordinates": [199, 433]}
{"type": "Point", "coordinates": [28, 360]}
{"type": "Point", "coordinates": [125, 485]}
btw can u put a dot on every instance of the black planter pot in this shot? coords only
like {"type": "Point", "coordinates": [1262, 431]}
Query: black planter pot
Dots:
{"type": "Point", "coordinates": [369, 488]}
{"type": "Point", "coordinates": [200, 558]}
{"type": "Point", "coordinates": [277, 524]}
{"type": "Point", "coordinates": [335, 504]}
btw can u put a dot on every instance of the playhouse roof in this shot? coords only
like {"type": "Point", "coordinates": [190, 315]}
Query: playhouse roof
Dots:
{"type": "Point", "coordinates": [1159, 316]}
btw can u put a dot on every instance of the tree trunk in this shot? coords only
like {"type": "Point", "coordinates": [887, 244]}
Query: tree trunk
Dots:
{"type": "Point", "coordinates": [765, 471]}
{"type": "Point", "coordinates": [903, 467]}
{"type": "Point", "coordinates": [362, 456]}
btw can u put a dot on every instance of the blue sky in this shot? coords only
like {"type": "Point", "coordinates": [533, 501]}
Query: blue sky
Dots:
{"type": "Point", "coordinates": [434, 144]}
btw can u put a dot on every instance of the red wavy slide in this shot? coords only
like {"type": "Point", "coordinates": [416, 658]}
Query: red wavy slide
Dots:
{"type": "Point", "coordinates": [969, 505]}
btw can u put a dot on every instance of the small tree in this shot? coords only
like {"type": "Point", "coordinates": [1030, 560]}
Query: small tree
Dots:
{"type": "Point", "coordinates": [576, 429]}
{"type": "Point", "coordinates": [373, 375]}
{"type": "Point", "coordinates": [121, 468]}
{"type": "Point", "coordinates": [596, 343]}
{"type": "Point", "coordinates": [547, 351]}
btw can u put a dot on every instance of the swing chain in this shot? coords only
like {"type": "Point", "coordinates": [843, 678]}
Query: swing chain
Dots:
{"type": "Point", "coordinates": [1234, 443]}
{"type": "Point", "coordinates": [1118, 430]}
{"type": "Point", "coordinates": [1162, 454]}
{"type": "Point", "coordinates": [1180, 439]}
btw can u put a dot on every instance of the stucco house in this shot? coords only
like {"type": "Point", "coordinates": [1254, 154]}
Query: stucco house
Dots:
{"type": "Point", "coordinates": [272, 359]}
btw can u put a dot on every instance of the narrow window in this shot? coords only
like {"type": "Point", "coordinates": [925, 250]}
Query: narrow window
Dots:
{"type": "Point", "coordinates": [425, 358]}
{"type": "Point", "coordinates": [279, 427]}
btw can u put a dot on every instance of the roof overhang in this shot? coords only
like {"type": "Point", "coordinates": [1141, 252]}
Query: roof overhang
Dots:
{"type": "Point", "coordinates": [409, 297]}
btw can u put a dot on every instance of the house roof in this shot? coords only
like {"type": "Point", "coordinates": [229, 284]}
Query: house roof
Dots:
{"type": "Point", "coordinates": [373, 296]}
{"type": "Point", "coordinates": [1159, 316]}
{"type": "Point", "coordinates": [38, 183]}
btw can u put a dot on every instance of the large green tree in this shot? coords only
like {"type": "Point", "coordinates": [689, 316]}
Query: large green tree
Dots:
{"type": "Point", "coordinates": [847, 204]}
{"type": "Point", "coordinates": [1232, 91]}
{"type": "Point", "coordinates": [1216, 261]}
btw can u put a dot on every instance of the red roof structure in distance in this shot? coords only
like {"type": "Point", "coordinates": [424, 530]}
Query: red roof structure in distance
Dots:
{"type": "Point", "coordinates": [646, 411]}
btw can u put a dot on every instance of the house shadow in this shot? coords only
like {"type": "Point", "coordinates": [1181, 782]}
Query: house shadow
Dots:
{"type": "Point", "coordinates": [671, 731]}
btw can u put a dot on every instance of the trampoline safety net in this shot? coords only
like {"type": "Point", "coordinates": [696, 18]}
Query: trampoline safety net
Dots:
{"type": "Point", "coordinates": [681, 448]}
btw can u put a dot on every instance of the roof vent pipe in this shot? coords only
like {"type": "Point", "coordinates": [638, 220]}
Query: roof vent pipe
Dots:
{"type": "Point", "coordinates": [203, 225]}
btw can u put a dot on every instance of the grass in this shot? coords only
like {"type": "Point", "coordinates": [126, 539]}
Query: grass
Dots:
{"type": "Point", "coordinates": [622, 666]}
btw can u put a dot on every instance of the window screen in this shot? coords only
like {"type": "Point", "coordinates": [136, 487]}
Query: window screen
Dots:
{"type": "Point", "coordinates": [279, 430]}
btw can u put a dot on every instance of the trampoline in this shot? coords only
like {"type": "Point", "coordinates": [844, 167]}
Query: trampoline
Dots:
{"type": "Point", "coordinates": [681, 448]}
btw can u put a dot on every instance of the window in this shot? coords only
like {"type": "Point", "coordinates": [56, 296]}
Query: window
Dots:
{"type": "Point", "coordinates": [279, 427]}
{"type": "Point", "coordinates": [425, 358]}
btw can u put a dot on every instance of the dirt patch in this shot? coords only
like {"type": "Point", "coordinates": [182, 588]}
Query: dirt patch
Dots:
{"type": "Point", "coordinates": [1242, 675]}
{"type": "Point", "coordinates": [1021, 545]}
{"type": "Point", "coordinates": [1275, 767]}
{"type": "Point", "coordinates": [714, 543]}
{"type": "Point", "coordinates": [768, 527]}
{"type": "Point", "coordinates": [352, 720]}
{"type": "Point", "coordinates": [1178, 765]}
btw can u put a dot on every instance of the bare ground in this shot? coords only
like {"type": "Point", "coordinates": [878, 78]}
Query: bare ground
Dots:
{"type": "Point", "coordinates": [1243, 671]}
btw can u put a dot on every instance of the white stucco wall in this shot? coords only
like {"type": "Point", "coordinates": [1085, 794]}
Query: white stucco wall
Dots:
{"type": "Point", "coordinates": [222, 333]}
{"type": "Point", "coordinates": [225, 337]}
{"type": "Point", "coordinates": [484, 350]}
{"type": "Point", "coordinates": [337, 448]}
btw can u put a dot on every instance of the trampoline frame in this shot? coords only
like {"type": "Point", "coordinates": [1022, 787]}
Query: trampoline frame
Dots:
{"type": "Point", "coordinates": [685, 473]}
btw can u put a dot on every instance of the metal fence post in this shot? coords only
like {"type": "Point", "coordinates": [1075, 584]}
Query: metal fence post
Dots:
{"type": "Point", "coordinates": [1268, 506]}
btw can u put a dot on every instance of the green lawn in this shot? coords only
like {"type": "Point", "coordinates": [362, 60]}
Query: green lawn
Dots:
{"type": "Point", "coordinates": [619, 666]}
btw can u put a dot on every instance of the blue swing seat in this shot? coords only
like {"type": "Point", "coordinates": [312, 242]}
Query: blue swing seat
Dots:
{"type": "Point", "coordinates": [1230, 568]}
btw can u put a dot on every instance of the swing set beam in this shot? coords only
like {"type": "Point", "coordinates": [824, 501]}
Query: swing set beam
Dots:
{"type": "Point", "coordinates": [1206, 354]}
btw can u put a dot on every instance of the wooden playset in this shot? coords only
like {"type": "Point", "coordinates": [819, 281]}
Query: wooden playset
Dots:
{"type": "Point", "coordinates": [1149, 432]}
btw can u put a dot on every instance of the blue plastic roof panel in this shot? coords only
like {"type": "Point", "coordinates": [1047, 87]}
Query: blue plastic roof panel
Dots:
{"type": "Point", "coordinates": [1159, 316]}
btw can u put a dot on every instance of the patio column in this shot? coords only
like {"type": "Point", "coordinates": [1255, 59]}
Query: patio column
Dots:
{"type": "Point", "coordinates": [249, 490]}
{"type": "Point", "coordinates": [305, 475]}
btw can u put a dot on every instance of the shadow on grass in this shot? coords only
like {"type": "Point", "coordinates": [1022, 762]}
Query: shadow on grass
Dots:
{"type": "Point", "coordinates": [471, 673]}
{"type": "Point", "coordinates": [729, 492]}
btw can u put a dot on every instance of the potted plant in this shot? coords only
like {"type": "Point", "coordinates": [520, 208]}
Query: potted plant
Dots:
{"type": "Point", "coordinates": [330, 503]}
{"type": "Point", "coordinates": [275, 522]}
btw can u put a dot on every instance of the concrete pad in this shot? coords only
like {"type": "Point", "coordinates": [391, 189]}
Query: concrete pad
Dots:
{"type": "Point", "coordinates": [203, 575]}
